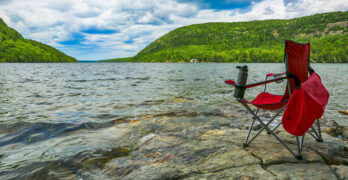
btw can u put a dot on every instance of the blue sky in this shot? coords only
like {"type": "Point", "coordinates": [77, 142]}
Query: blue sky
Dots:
{"type": "Point", "coordinates": [94, 30]}
{"type": "Point", "coordinates": [221, 5]}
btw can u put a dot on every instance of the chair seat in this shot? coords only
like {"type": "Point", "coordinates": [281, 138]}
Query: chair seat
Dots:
{"type": "Point", "coordinates": [268, 101]}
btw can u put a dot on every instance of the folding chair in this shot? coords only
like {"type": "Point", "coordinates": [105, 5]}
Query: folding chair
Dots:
{"type": "Point", "coordinates": [297, 116]}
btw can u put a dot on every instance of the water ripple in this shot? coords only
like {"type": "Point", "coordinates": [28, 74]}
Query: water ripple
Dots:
{"type": "Point", "coordinates": [26, 132]}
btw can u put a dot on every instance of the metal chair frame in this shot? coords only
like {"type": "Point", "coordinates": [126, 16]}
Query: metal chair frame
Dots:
{"type": "Point", "coordinates": [265, 126]}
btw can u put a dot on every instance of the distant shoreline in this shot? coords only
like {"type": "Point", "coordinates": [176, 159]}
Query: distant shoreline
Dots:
{"type": "Point", "coordinates": [156, 62]}
{"type": "Point", "coordinates": [179, 62]}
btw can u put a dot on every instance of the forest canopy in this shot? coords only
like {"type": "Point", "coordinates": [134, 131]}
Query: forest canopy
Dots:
{"type": "Point", "coordinates": [254, 41]}
{"type": "Point", "coordinates": [15, 48]}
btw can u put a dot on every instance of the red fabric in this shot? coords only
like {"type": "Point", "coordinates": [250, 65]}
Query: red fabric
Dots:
{"type": "Point", "coordinates": [298, 55]}
{"type": "Point", "coordinates": [230, 82]}
{"type": "Point", "coordinates": [268, 101]}
{"type": "Point", "coordinates": [305, 106]}
{"type": "Point", "coordinates": [265, 100]}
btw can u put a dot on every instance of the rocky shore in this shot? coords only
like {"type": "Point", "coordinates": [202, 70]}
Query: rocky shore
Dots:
{"type": "Point", "coordinates": [190, 145]}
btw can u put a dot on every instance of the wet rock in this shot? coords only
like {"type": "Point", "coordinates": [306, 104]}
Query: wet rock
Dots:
{"type": "Point", "coordinates": [244, 172]}
{"type": "Point", "coordinates": [36, 137]}
{"type": "Point", "coordinates": [302, 171]}
{"type": "Point", "coordinates": [336, 128]}
{"type": "Point", "coordinates": [200, 145]}
{"type": "Point", "coordinates": [332, 152]}
{"type": "Point", "coordinates": [121, 167]}
{"type": "Point", "coordinates": [345, 112]}
{"type": "Point", "coordinates": [101, 157]}
{"type": "Point", "coordinates": [209, 133]}
{"type": "Point", "coordinates": [106, 116]}
{"type": "Point", "coordinates": [256, 127]}
{"type": "Point", "coordinates": [117, 152]}
{"type": "Point", "coordinates": [225, 136]}
{"type": "Point", "coordinates": [245, 119]}
{"type": "Point", "coordinates": [156, 171]}
{"type": "Point", "coordinates": [190, 153]}
{"type": "Point", "coordinates": [146, 138]}
{"type": "Point", "coordinates": [342, 123]}
{"type": "Point", "coordinates": [41, 170]}
{"type": "Point", "coordinates": [345, 133]}
{"type": "Point", "coordinates": [158, 142]}
{"type": "Point", "coordinates": [227, 157]}
{"type": "Point", "coordinates": [341, 171]}
{"type": "Point", "coordinates": [271, 151]}
{"type": "Point", "coordinates": [180, 100]}
{"type": "Point", "coordinates": [330, 130]}
{"type": "Point", "coordinates": [267, 115]}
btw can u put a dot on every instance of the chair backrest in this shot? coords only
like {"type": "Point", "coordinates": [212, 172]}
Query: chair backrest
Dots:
{"type": "Point", "coordinates": [296, 58]}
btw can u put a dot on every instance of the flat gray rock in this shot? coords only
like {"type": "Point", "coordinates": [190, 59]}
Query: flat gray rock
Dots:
{"type": "Point", "coordinates": [195, 148]}
{"type": "Point", "coordinates": [302, 171]}
{"type": "Point", "coordinates": [245, 172]}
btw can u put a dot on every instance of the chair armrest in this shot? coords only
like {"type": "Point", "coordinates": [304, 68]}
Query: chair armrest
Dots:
{"type": "Point", "coordinates": [231, 82]}
{"type": "Point", "coordinates": [263, 82]}
{"type": "Point", "coordinates": [275, 74]}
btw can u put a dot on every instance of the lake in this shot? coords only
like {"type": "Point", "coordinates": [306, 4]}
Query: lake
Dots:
{"type": "Point", "coordinates": [53, 117]}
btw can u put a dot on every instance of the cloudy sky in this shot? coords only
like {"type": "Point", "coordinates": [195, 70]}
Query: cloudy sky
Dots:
{"type": "Point", "coordinates": [102, 29]}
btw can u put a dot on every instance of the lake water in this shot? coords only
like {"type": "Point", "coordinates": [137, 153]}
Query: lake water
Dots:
{"type": "Point", "coordinates": [55, 116]}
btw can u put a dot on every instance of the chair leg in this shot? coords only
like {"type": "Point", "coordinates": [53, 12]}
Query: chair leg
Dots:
{"type": "Point", "coordinates": [299, 143]}
{"type": "Point", "coordinates": [320, 139]}
{"type": "Point", "coordinates": [246, 143]}
{"type": "Point", "coordinates": [267, 129]}
{"type": "Point", "coordinates": [316, 135]}
{"type": "Point", "coordinates": [302, 141]}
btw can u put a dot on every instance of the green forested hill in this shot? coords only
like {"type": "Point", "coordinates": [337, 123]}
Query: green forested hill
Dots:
{"type": "Point", "coordinates": [14, 48]}
{"type": "Point", "coordinates": [254, 41]}
{"type": "Point", "coordinates": [127, 59]}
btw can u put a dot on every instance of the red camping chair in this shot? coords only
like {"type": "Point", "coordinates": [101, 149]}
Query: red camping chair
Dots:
{"type": "Point", "coordinates": [304, 99]}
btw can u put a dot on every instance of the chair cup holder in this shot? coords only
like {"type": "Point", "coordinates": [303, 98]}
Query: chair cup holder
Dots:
{"type": "Point", "coordinates": [241, 82]}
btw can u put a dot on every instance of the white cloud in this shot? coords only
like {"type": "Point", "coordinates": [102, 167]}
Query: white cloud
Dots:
{"type": "Point", "coordinates": [135, 23]}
